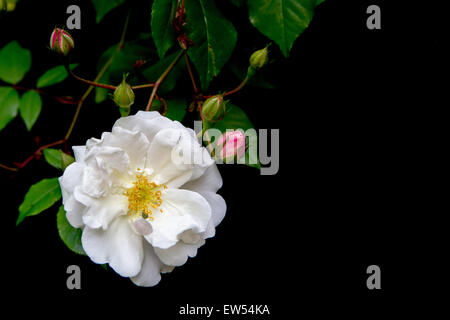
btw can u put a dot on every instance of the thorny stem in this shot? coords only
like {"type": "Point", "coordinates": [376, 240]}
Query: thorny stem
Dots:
{"type": "Point", "coordinates": [8, 168]}
{"type": "Point", "coordinates": [106, 86]}
{"type": "Point", "coordinates": [100, 74]}
{"type": "Point", "coordinates": [91, 83]}
{"type": "Point", "coordinates": [38, 153]}
{"type": "Point", "coordinates": [161, 79]}
{"type": "Point", "coordinates": [35, 155]}
{"type": "Point", "coordinates": [191, 74]}
{"type": "Point", "coordinates": [142, 86]}
{"type": "Point", "coordinates": [163, 105]}
{"type": "Point", "coordinates": [239, 87]}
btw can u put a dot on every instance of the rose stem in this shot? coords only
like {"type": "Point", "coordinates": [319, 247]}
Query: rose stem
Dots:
{"type": "Point", "coordinates": [100, 74]}
{"type": "Point", "coordinates": [161, 79]}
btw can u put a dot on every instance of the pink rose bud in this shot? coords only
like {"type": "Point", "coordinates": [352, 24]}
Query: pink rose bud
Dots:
{"type": "Point", "coordinates": [61, 41]}
{"type": "Point", "coordinates": [231, 145]}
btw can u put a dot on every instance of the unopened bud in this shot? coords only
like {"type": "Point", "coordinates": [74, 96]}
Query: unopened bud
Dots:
{"type": "Point", "coordinates": [213, 109]}
{"type": "Point", "coordinates": [61, 41]}
{"type": "Point", "coordinates": [231, 145]}
{"type": "Point", "coordinates": [259, 58]}
{"type": "Point", "coordinates": [124, 97]}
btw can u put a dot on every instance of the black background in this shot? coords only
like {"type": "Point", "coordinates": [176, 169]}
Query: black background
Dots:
{"type": "Point", "coordinates": [352, 106]}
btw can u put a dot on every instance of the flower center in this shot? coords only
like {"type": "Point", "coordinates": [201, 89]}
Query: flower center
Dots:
{"type": "Point", "coordinates": [144, 196]}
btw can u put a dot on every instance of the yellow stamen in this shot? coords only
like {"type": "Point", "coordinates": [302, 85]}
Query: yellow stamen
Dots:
{"type": "Point", "coordinates": [143, 195]}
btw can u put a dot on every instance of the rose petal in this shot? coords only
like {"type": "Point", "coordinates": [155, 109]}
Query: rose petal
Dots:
{"type": "Point", "coordinates": [209, 181]}
{"type": "Point", "coordinates": [150, 271]}
{"type": "Point", "coordinates": [102, 211]}
{"type": "Point", "coordinates": [135, 144]}
{"type": "Point", "coordinates": [182, 210]}
{"type": "Point", "coordinates": [74, 212]}
{"type": "Point", "coordinates": [178, 254]}
{"type": "Point", "coordinates": [176, 157]}
{"type": "Point", "coordinates": [118, 245]}
{"type": "Point", "coordinates": [218, 206]}
{"type": "Point", "coordinates": [79, 153]}
{"type": "Point", "coordinates": [149, 123]}
{"type": "Point", "coordinates": [71, 177]}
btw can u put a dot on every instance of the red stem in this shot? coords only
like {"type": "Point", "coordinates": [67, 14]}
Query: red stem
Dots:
{"type": "Point", "coordinates": [37, 153]}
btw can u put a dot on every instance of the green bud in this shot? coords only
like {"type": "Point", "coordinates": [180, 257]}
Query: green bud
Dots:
{"type": "Point", "coordinates": [213, 109]}
{"type": "Point", "coordinates": [259, 58]}
{"type": "Point", "coordinates": [124, 97]}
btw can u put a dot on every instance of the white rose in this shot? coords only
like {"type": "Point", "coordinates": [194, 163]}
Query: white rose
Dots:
{"type": "Point", "coordinates": [142, 210]}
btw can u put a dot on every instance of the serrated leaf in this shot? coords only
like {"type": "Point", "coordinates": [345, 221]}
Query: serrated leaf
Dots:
{"type": "Point", "coordinates": [102, 7]}
{"type": "Point", "coordinates": [153, 72]}
{"type": "Point", "coordinates": [176, 108]}
{"type": "Point", "coordinates": [30, 107]}
{"type": "Point", "coordinates": [163, 34]}
{"type": "Point", "coordinates": [57, 158]}
{"type": "Point", "coordinates": [281, 20]}
{"type": "Point", "coordinates": [39, 197]}
{"type": "Point", "coordinates": [69, 235]}
{"type": "Point", "coordinates": [15, 62]}
{"type": "Point", "coordinates": [214, 39]}
{"type": "Point", "coordinates": [54, 75]}
{"type": "Point", "coordinates": [123, 63]}
{"type": "Point", "coordinates": [9, 105]}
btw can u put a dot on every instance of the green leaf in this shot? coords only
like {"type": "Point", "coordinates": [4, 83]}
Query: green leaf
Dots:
{"type": "Point", "coordinates": [57, 158]}
{"type": "Point", "coordinates": [67, 160]}
{"type": "Point", "coordinates": [30, 108]}
{"type": "Point", "coordinates": [176, 108]}
{"type": "Point", "coordinates": [54, 75]}
{"type": "Point", "coordinates": [69, 235]}
{"type": "Point", "coordinates": [163, 34]}
{"type": "Point", "coordinates": [102, 7]}
{"type": "Point", "coordinates": [319, 2]}
{"type": "Point", "coordinates": [123, 63]}
{"type": "Point", "coordinates": [15, 62]}
{"type": "Point", "coordinates": [281, 20]}
{"type": "Point", "coordinates": [214, 38]}
{"type": "Point", "coordinates": [153, 72]}
{"type": "Point", "coordinates": [9, 105]}
{"type": "Point", "coordinates": [39, 197]}
{"type": "Point", "coordinates": [236, 119]}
